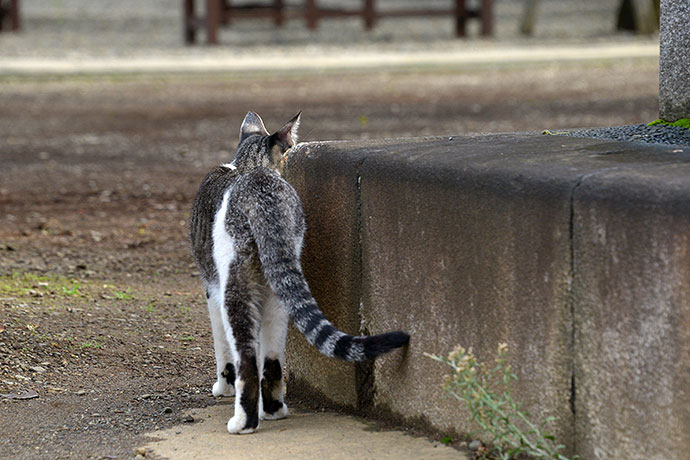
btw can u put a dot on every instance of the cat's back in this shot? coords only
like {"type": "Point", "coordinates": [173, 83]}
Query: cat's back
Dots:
{"type": "Point", "coordinates": [206, 205]}
{"type": "Point", "coordinates": [260, 194]}
{"type": "Point", "coordinates": [209, 197]}
{"type": "Point", "coordinates": [264, 192]}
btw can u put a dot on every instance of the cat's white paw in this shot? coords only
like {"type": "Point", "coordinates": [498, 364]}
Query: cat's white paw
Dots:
{"type": "Point", "coordinates": [221, 388]}
{"type": "Point", "coordinates": [236, 425]}
{"type": "Point", "coordinates": [277, 415]}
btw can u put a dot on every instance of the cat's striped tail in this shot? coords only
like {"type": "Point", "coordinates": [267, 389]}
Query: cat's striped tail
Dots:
{"type": "Point", "coordinates": [276, 229]}
{"type": "Point", "coordinates": [288, 282]}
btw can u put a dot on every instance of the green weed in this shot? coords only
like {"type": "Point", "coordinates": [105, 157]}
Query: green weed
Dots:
{"type": "Point", "coordinates": [682, 123]}
{"type": "Point", "coordinates": [73, 291]}
{"type": "Point", "coordinates": [123, 295]}
{"type": "Point", "coordinates": [91, 344]}
{"type": "Point", "coordinates": [486, 393]}
{"type": "Point", "coordinates": [149, 308]}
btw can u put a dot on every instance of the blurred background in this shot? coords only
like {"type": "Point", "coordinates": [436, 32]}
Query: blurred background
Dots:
{"type": "Point", "coordinates": [88, 87]}
{"type": "Point", "coordinates": [504, 82]}
{"type": "Point", "coordinates": [131, 27]}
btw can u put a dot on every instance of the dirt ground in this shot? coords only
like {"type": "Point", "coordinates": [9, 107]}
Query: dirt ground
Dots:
{"type": "Point", "coordinates": [101, 309]}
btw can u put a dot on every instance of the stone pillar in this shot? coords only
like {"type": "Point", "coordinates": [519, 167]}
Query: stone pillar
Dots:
{"type": "Point", "coordinates": [674, 60]}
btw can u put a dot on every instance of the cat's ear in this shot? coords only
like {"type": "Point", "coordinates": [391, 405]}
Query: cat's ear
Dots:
{"type": "Point", "coordinates": [252, 124]}
{"type": "Point", "coordinates": [287, 135]}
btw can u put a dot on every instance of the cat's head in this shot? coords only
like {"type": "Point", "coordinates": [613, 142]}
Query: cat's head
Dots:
{"type": "Point", "coordinates": [259, 148]}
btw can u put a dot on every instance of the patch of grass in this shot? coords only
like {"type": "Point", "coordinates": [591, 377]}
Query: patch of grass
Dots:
{"type": "Point", "coordinates": [150, 307]}
{"type": "Point", "coordinates": [487, 395]}
{"type": "Point", "coordinates": [187, 338]}
{"type": "Point", "coordinates": [682, 123]}
{"type": "Point", "coordinates": [25, 284]}
{"type": "Point", "coordinates": [123, 295]}
{"type": "Point", "coordinates": [91, 344]}
{"type": "Point", "coordinates": [19, 284]}
{"type": "Point", "coordinates": [73, 291]}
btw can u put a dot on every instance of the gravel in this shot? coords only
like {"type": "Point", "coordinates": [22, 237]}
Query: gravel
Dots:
{"type": "Point", "coordinates": [657, 134]}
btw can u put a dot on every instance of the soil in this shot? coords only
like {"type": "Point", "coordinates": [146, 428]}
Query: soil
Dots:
{"type": "Point", "coordinates": [101, 310]}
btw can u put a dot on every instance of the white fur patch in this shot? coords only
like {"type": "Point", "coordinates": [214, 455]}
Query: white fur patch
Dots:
{"type": "Point", "coordinates": [283, 412]}
{"type": "Point", "coordinates": [223, 255]}
{"type": "Point", "coordinates": [274, 323]}
{"type": "Point", "coordinates": [238, 421]}
{"type": "Point", "coordinates": [222, 388]}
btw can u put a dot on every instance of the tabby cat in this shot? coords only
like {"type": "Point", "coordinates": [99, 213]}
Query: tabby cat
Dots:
{"type": "Point", "coordinates": [247, 227]}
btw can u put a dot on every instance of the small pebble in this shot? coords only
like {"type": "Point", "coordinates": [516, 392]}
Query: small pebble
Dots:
{"type": "Point", "coordinates": [167, 410]}
{"type": "Point", "coordinates": [80, 393]}
{"type": "Point", "coordinates": [188, 419]}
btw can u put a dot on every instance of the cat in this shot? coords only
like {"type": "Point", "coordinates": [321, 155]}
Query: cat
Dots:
{"type": "Point", "coordinates": [246, 229]}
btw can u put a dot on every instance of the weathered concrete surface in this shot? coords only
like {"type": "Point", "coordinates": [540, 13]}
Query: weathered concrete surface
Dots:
{"type": "Point", "coordinates": [301, 436]}
{"type": "Point", "coordinates": [332, 254]}
{"type": "Point", "coordinates": [331, 251]}
{"type": "Point", "coordinates": [674, 60]}
{"type": "Point", "coordinates": [632, 287]}
{"type": "Point", "coordinates": [472, 240]}
{"type": "Point", "coordinates": [451, 253]}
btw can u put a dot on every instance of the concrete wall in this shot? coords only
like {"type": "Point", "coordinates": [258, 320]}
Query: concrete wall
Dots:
{"type": "Point", "coordinates": [674, 55]}
{"type": "Point", "coordinates": [488, 239]}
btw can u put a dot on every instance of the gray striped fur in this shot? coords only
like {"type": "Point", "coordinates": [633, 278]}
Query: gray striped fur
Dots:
{"type": "Point", "coordinates": [264, 225]}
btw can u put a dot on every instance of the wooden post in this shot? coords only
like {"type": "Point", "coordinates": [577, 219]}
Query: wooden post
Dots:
{"type": "Point", "coordinates": [188, 12]}
{"type": "Point", "coordinates": [487, 17]}
{"type": "Point", "coordinates": [369, 14]}
{"type": "Point", "coordinates": [279, 16]}
{"type": "Point", "coordinates": [212, 21]}
{"type": "Point", "coordinates": [14, 15]}
{"type": "Point", "coordinates": [529, 17]}
{"type": "Point", "coordinates": [311, 14]}
{"type": "Point", "coordinates": [460, 18]}
{"type": "Point", "coordinates": [225, 12]}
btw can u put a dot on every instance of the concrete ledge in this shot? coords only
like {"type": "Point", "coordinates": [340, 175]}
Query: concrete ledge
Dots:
{"type": "Point", "coordinates": [478, 240]}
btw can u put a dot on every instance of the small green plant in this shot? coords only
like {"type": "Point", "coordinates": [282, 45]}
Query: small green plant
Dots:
{"type": "Point", "coordinates": [91, 344]}
{"type": "Point", "coordinates": [149, 307]}
{"type": "Point", "coordinates": [187, 338]}
{"type": "Point", "coordinates": [73, 291]}
{"type": "Point", "coordinates": [22, 284]}
{"type": "Point", "coordinates": [682, 123]}
{"type": "Point", "coordinates": [123, 295]}
{"type": "Point", "coordinates": [510, 431]}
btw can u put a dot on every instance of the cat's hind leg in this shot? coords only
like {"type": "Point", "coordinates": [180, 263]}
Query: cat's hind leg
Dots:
{"type": "Point", "coordinates": [274, 324]}
{"type": "Point", "coordinates": [225, 369]}
{"type": "Point", "coordinates": [243, 334]}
